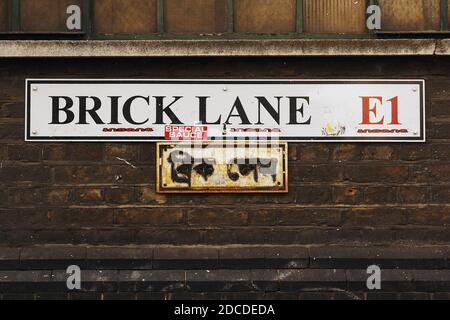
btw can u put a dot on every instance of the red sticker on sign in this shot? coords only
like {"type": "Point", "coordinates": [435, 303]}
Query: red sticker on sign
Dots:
{"type": "Point", "coordinates": [186, 133]}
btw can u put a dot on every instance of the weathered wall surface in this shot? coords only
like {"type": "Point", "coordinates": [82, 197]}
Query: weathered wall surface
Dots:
{"type": "Point", "coordinates": [83, 193]}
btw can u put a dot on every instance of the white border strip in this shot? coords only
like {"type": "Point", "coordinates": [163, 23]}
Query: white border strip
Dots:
{"type": "Point", "coordinates": [212, 48]}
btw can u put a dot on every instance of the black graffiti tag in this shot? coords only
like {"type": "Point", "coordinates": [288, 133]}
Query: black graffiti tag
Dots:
{"type": "Point", "coordinates": [255, 166]}
{"type": "Point", "coordinates": [183, 163]}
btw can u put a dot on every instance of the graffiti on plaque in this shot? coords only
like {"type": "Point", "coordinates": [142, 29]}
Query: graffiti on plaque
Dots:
{"type": "Point", "coordinates": [219, 169]}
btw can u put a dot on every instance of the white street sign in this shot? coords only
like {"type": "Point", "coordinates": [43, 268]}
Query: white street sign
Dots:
{"type": "Point", "coordinates": [162, 110]}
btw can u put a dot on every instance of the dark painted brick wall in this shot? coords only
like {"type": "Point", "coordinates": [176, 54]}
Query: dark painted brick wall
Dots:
{"type": "Point", "coordinates": [339, 193]}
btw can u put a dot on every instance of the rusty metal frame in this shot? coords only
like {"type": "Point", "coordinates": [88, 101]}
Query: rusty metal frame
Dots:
{"type": "Point", "coordinates": [283, 144]}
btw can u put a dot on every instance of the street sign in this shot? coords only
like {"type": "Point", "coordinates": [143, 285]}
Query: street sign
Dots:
{"type": "Point", "coordinates": [221, 167]}
{"type": "Point", "coordinates": [208, 110]}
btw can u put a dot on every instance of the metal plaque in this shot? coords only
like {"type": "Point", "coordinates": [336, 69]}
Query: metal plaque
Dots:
{"type": "Point", "coordinates": [222, 167]}
{"type": "Point", "coordinates": [210, 110]}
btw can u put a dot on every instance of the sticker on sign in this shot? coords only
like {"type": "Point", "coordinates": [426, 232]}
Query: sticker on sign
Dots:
{"type": "Point", "coordinates": [181, 133]}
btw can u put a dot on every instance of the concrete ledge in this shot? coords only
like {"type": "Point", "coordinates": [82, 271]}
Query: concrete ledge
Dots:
{"type": "Point", "coordinates": [443, 47]}
{"type": "Point", "coordinates": [218, 48]}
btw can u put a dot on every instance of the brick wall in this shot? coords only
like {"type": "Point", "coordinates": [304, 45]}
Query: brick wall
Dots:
{"type": "Point", "coordinates": [73, 193]}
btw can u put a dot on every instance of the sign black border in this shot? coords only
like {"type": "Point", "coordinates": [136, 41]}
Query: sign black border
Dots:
{"type": "Point", "coordinates": [30, 82]}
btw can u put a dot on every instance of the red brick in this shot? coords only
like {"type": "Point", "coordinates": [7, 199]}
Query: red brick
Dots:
{"type": "Point", "coordinates": [25, 173]}
{"type": "Point", "coordinates": [347, 194]}
{"type": "Point", "coordinates": [257, 198]}
{"type": "Point", "coordinates": [421, 173]}
{"type": "Point", "coordinates": [430, 216]}
{"type": "Point", "coordinates": [81, 217]}
{"type": "Point", "coordinates": [12, 109]}
{"type": "Point", "coordinates": [313, 152]}
{"type": "Point", "coordinates": [316, 173]}
{"type": "Point", "coordinates": [129, 152]}
{"type": "Point", "coordinates": [313, 194]}
{"type": "Point", "coordinates": [87, 152]}
{"type": "Point", "coordinates": [271, 198]}
{"type": "Point", "coordinates": [3, 152]}
{"type": "Point", "coordinates": [148, 195]}
{"type": "Point", "coordinates": [438, 89]}
{"type": "Point", "coordinates": [375, 216]}
{"type": "Point", "coordinates": [11, 132]}
{"type": "Point", "coordinates": [440, 131]}
{"type": "Point", "coordinates": [413, 194]}
{"type": "Point", "coordinates": [431, 232]}
{"type": "Point", "coordinates": [99, 235]}
{"type": "Point", "coordinates": [58, 196]}
{"type": "Point", "coordinates": [346, 152]}
{"type": "Point", "coordinates": [136, 175]}
{"type": "Point", "coordinates": [263, 217]}
{"type": "Point", "coordinates": [24, 152]}
{"type": "Point", "coordinates": [310, 217]}
{"type": "Point", "coordinates": [440, 152]}
{"type": "Point", "coordinates": [211, 198]}
{"type": "Point", "coordinates": [379, 195]}
{"type": "Point", "coordinates": [68, 174]}
{"type": "Point", "coordinates": [89, 195]}
{"type": "Point", "coordinates": [86, 174]}
{"type": "Point", "coordinates": [57, 152]}
{"type": "Point", "coordinates": [293, 152]}
{"type": "Point", "coordinates": [431, 173]}
{"type": "Point", "coordinates": [283, 198]}
{"type": "Point", "coordinates": [169, 236]}
{"type": "Point", "coordinates": [377, 173]}
{"type": "Point", "coordinates": [25, 196]}
{"type": "Point", "coordinates": [254, 235]}
{"type": "Point", "coordinates": [440, 108]}
{"type": "Point", "coordinates": [147, 153]}
{"type": "Point", "coordinates": [150, 216]}
{"type": "Point", "coordinates": [119, 195]}
{"type": "Point", "coordinates": [379, 152]}
{"type": "Point", "coordinates": [440, 194]}
{"type": "Point", "coordinates": [20, 219]}
{"type": "Point", "coordinates": [4, 195]}
{"type": "Point", "coordinates": [414, 152]}
{"type": "Point", "coordinates": [217, 216]}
